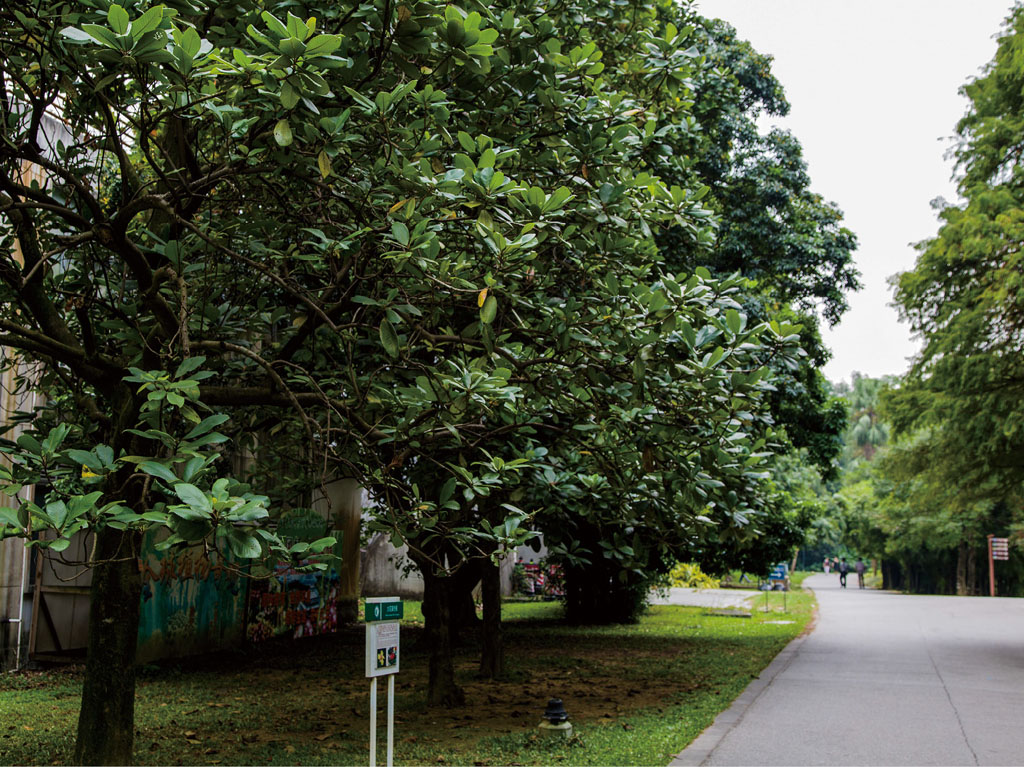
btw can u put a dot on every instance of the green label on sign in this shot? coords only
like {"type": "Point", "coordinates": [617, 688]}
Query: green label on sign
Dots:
{"type": "Point", "coordinates": [384, 611]}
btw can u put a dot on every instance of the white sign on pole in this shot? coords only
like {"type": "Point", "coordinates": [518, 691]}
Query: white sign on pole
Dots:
{"type": "Point", "coordinates": [382, 659]}
{"type": "Point", "coordinates": [382, 648]}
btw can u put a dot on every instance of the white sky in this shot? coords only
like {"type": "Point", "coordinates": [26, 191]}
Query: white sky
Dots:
{"type": "Point", "coordinates": [873, 86]}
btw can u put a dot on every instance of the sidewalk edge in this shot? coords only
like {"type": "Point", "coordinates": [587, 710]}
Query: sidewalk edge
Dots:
{"type": "Point", "coordinates": [701, 748]}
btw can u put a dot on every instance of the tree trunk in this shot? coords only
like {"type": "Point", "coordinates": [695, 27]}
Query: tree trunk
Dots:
{"type": "Point", "coordinates": [972, 571]}
{"type": "Point", "coordinates": [106, 722]}
{"type": "Point", "coordinates": [441, 687]}
{"type": "Point", "coordinates": [344, 497]}
{"type": "Point", "coordinates": [492, 656]}
{"type": "Point", "coordinates": [461, 604]}
{"type": "Point", "coordinates": [961, 568]}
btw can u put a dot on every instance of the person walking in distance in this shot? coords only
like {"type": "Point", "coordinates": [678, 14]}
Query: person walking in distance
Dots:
{"type": "Point", "coordinates": [860, 567]}
{"type": "Point", "coordinates": [828, 565]}
{"type": "Point", "coordinates": [844, 568]}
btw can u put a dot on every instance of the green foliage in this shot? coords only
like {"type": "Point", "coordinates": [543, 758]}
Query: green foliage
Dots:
{"type": "Point", "coordinates": [688, 575]}
{"type": "Point", "coordinates": [772, 228]}
{"type": "Point", "coordinates": [224, 517]}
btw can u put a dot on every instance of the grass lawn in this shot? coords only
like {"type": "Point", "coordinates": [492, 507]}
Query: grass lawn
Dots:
{"type": "Point", "coordinates": [635, 695]}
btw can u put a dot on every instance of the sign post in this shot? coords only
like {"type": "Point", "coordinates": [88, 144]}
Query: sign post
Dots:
{"type": "Point", "coordinates": [382, 659]}
{"type": "Point", "coordinates": [998, 548]}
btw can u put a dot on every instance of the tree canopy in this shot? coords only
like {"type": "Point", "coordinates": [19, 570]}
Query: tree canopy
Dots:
{"type": "Point", "coordinates": [465, 255]}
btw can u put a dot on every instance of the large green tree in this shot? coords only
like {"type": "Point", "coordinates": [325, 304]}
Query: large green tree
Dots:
{"type": "Point", "coordinates": [409, 244]}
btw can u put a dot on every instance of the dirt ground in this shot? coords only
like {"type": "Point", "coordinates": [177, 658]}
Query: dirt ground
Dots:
{"type": "Point", "coordinates": [598, 681]}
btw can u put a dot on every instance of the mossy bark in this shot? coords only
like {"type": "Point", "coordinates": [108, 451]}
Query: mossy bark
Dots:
{"type": "Point", "coordinates": [106, 721]}
{"type": "Point", "coordinates": [442, 689]}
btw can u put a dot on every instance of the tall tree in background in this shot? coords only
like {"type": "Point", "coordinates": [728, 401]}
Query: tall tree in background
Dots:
{"type": "Point", "coordinates": [957, 414]}
{"type": "Point", "coordinates": [961, 402]}
{"type": "Point", "coordinates": [773, 228]}
{"type": "Point", "coordinates": [866, 432]}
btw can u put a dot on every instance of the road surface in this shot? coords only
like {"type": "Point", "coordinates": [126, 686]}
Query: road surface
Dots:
{"type": "Point", "coordinates": [883, 679]}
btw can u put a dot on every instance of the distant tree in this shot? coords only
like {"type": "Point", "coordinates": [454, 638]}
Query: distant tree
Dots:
{"type": "Point", "coordinates": [773, 228]}
{"type": "Point", "coordinates": [867, 432]}
{"type": "Point", "coordinates": [961, 400]}
{"type": "Point", "coordinates": [956, 414]}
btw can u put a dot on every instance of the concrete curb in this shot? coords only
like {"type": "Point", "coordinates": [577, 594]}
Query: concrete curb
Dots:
{"type": "Point", "coordinates": [698, 752]}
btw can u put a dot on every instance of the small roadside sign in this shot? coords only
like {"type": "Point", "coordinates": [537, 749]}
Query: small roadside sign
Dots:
{"type": "Point", "coordinates": [1000, 548]}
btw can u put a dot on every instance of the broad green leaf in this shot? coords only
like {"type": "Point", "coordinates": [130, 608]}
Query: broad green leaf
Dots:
{"type": "Point", "coordinates": [733, 320]}
{"type": "Point", "coordinates": [323, 45]}
{"type": "Point", "coordinates": [29, 444]}
{"type": "Point", "coordinates": [86, 458]}
{"type": "Point", "coordinates": [102, 35]}
{"type": "Point", "coordinates": [243, 545]}
{"type": "Point", "coordinates": [489, 310]}
{"type": "Point", "coordinates": [192, 495]}
{"type": "Point", "coordinates": [188, 365]}
{"type": "Point", "coordinates": [192, 529]}
{"type": "Point", "coordinates": [389, 338]}
{"type": "Point", "coordinates": [58, 512]}
{"type": "Point", "coordinates": [117, 17]}
{"type": "Point", "coordinates": [9, 516]}
{"type": "Point", "coordinates": [208, 423]}
{"type": "Point", "coordinates": [275, 25]}
{"type": "Point", "coordinates": [159, 471]}
{"type": "Point", "coordinates": [400, 232]}
{"type": "Point", "coordinates": [283, 133]}
{"type": "Point", "coordinates": [148, 21]}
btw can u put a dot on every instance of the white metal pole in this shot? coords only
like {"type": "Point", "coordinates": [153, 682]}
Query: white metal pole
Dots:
{"type": "Point", "coordinates": [391, 720]}
{"type": "Point", "coordinates": [373, 722]}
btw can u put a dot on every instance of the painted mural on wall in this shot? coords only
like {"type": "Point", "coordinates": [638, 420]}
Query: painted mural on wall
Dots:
{"type": "Point", "coordinates": [291, 602]}
{"type": "Point", "coordinates": [191, 602]}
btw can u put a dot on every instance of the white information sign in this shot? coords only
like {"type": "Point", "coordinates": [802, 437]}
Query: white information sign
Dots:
{"type": "Point", "coordinates": [382, 653]}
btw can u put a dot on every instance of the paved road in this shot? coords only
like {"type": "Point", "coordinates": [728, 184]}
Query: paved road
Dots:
{"type": "Point", "coordinates": [884, 679]}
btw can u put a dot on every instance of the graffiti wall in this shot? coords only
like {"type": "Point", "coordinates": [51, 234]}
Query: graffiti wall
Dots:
{"type": "Point", "coordinates": [292, 603]}
{"type": "Point", "coordinates": [191, 602]}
